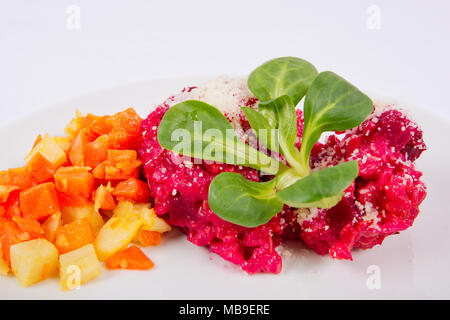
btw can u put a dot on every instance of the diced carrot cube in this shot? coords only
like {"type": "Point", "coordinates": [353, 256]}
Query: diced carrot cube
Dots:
{"type": "Point", "coordinates": [40, 168]}
{"type": "Point", "coordinates": [149, 238]}
{"type": "Point", "coordinates": [113, 173]}
{"type": "Point", "coordinates": [74, 235]}
{"type": "Point", "coordinates": [123, 170]}
{"type": "Point", "coordinates": [12, 205]}
{"type": "Point", "coordinates": [132, 189]}
{"type": "Point", "coordinates": [77, 149]}
{"type": "Point", "coordinates": [103, 198]}
{"type": "Point", "coordinates": [11, 234]}
{"type": "Point", "coordinates": [117, 156]}
{"type": "Point", "coordinates": [76, 182]}
{"type": "Point", "coordinates": [99, 171]}
{"type": "Point", "coordinates": [88, 120]}
{"type": "Point", "coordinates": [71, 200]}
{"type": "Point", "coordinates": [39, 202]}
{"type": "Point", "coordinates": [5, 191]}
{"type": "Point", "coordinates": [97, 151]}
{"type": "Point", "coordinates": [125, 132]}
{"type": "Point", "coordinates": [101, 126]}
{"type": "Point", "coordinates": [131, 258]}
{"type": "Point", "coordinates": [30, 226]}
{"type": "Point", "coordinates": [16, 177]}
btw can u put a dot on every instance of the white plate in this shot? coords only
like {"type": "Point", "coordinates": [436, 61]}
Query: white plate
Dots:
{"type": "Point", "coordinates": [414, 264]}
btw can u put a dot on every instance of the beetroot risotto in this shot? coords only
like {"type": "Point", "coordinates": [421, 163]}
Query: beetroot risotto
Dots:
{"type": "Point", "coordinates": [380, 198]}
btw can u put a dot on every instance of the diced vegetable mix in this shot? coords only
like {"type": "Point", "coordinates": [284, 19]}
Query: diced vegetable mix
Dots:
{"type": "Point", "coordinates": [78, 200]}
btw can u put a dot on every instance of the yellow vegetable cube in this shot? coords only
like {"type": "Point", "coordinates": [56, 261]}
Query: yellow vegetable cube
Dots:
{"type": "Point", "coordinates": [123, 208]}
{"type": "Point", "coordinates": [33, 261]}
{"type": "Point", "coordinates": [70, 214]}
{"type": "Point", "coordinates": [51, 225]}
{"type": "Point", "coordinates": [78, 267]}
{"type": "Point", "coordinates": [151, 222]}
{"type": "Point", "coordinates": [63, 142]}
{"type": "Point", "coordinates": [74, 125]}
{"type": "Point", "coordinates": [4, 268]}
{"type": "Point", "coordinates": [48, 148]}
{"type": "Point", "coordinates": [117, 233]}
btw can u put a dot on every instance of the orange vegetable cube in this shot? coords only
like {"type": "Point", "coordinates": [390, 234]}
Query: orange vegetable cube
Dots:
{"type": "Point", "coordinates": [71, 200]}
{"type": "Point", "coordinates": [88, 120]}
{"type": "Point", "coordinates": [11, 234]}
{"type": "Point", "coordinates": [74, 235]}
{"type": "Point", "coordinates": [148, 238]}
{"type": "Point", "coordinates": [97, 151]}
{"type": "Point", "coordinates": [12, 205]}
{"type": "Point", "coordinates": [101, 125]}
{"type": "Point", "coordinates": [5, 191]}
{"type": "Point", "coordinates": [16, 177]}
{"type": "Point", "coordinates": [29, 226]}
{"type": "Point", "coordinates": [39, 202]}
{"type": "Point", "coordinates": [125, 131]}
{"type": "Point", "coordinates": [117, 156]}
{"type": "Point", "coordinates": [103, 198]}
{"type": "Point", "coordinates": [99, 171]}
{"type": "Point", "coordinates": [75, 181]}
{"type": "Point", "coordinates": [132, 189]}
{"type": "Point", "coordinates": [40, 168]}
{"type": "Point", "coordinates": [131, 258]}
{"type": "Point", "coordinates": [70, 214]}
{"type": "Point", "coordinates": [122, 170]}
{"type": "Point", "coordinates": [77, 149]}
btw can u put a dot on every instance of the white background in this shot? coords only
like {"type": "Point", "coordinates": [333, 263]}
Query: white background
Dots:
{"type": "Point", "coordinates": [42, 62]}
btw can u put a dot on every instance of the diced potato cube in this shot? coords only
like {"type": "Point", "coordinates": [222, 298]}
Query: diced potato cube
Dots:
{"type": "Point", "coordinates": [78, 267]}
{"type": "Point", "coordinates": [74, 125]}
{"type": "Point", "coordinates": [63, 142]}
{"type": "Point", "coordinates": [70, 214]}
{"type": "Point", "coordinates": [151, 222]}
{"type": "Point", "coordinates": [48, 148]}
{"type": "Point", "coordinates": [117, 233]}
{"type": "Point", "coordinates": [33, 261]}
{"type": "Point", "coordinates": [123, 208]}
{"type": "Point", "coordinates": [51, 225]}
{"type": "Point", "coordinates": [4, 268]}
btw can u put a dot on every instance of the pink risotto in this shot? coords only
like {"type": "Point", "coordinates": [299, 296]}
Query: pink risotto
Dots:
{"type": "Point", "coordinates": [383, 200]}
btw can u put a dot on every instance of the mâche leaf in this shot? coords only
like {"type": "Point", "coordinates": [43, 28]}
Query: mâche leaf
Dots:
{"type": "Point", "coordinates": [262, 127]}
{"type": "Point", "coordinates": [281, 116]}
{"type": "Point", "coordinates": [322, 188]}
{"type": "Point", "coordinates": [196, 129]}
{"type": "Point", "coordinates": [331, 104]}
{"type": "Point", "coordinates": [241, 201]}
{"type": "Point", "coordinates": [282, 76]}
